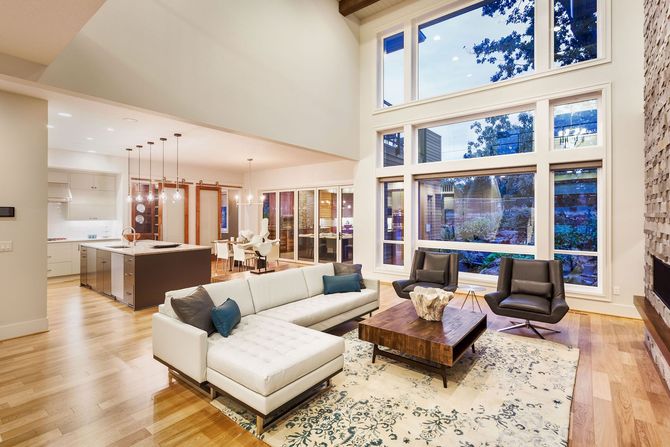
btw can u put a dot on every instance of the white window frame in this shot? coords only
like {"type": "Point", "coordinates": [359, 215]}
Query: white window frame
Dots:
{"type": "Point", "coordinates": [528, 107]}
{"type": "Point", "coordinates": [599, 253]}
{"type": "Point", "coordinates": [543, 57]}
{"type": "Point", "coordinates": [380, 226]}
{"type": "Point", "coordinates": [380, 145]}
{"type": "Point", "coordinates": [571, 100]}
{"type": "Point", "coordinates": [600, 38]}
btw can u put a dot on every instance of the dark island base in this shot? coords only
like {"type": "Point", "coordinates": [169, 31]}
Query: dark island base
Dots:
{"type": "Point", "coordinates": [160, 273]}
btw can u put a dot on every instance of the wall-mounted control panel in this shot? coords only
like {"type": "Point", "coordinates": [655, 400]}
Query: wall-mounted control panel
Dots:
{"type": "Point", "coordinates": [7, 211]}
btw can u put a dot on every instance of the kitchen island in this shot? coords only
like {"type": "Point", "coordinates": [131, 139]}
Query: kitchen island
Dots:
{"type": "Point", "coordinates": [140, 275]}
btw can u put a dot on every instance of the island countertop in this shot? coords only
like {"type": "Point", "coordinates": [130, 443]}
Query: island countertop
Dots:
{"type": "Point", "coordinates": [143, 247]}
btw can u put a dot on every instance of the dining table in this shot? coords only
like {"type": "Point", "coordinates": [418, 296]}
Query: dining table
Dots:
{"type": "Point", "coordinates": [248, 248]}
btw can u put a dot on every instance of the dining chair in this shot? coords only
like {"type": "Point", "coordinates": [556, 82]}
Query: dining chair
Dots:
{"type": "Point", "coordinates": [241, 255]}
{"type": "Point", "coordinates": [222, 254]}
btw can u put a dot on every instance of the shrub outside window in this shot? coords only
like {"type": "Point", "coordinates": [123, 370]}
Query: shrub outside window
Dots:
{"type": "Point", "coordinates": [494, 209]}
{"type": "Point", "coordinates": [576, 224]}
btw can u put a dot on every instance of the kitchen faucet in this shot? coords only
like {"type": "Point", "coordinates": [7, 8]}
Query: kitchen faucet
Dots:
{"type": "Point", "coordinates": [132, 231]}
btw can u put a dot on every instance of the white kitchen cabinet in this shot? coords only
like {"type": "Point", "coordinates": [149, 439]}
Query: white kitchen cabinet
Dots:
{"type": "Point", "coordinates": [95, 182]}
{"type": "Point", "coordinates": [63, 258]}
{"type": "Point", "coordinates": [92, 205]}
{"type": "Point", "coordinates": [117, 277]}
{"type": "Point", "coordinates": [57, 177]}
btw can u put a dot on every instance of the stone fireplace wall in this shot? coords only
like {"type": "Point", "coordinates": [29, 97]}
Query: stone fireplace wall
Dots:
{"type": "Point", "coordinates": [657, 154]}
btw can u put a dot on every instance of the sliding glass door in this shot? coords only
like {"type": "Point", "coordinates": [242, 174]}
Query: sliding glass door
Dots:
{"type": "Point", "coordinates": [321, 220]}
{"type": "Point", "coordinates": [328, 224]}
{"type": "Point", "coordinates": [286, 224]}
{"type": "Point", "coordinates": [347, 224]}
{"type": "Point", "coordinates": [306, 225]}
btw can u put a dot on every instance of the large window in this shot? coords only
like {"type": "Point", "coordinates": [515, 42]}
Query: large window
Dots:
{"type": "Point", "coordinates": [575, 31]}
{"type": "Point", "coordinates": [576, 224]}
{"type": "Point", "coordinates": [576, 124]}
{"type": "Point", "coordinates": [286, 224]}
{"type": "Point", "coordinates": [394, 218]}
{"type": "Point", "coordinates": [480, 262]}
{"type": "Point", "coordinates": [306, 225]}
{"type": "Point", "coordinates": [393, 149]}
{"type": "Point", "coordinates": [393, 69]}
{"type": "Point", "coordinates": [270, 213]}
{"type": "Point", "coordinates": [510, 133]}
{"type": "Point", "coordinates": [488, 42]}
{"type": "Point", "coordinates": [493, 209]}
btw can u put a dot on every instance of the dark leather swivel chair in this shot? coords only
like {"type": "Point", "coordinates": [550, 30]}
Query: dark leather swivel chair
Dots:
{"type": "Point", "coordinates": [438, 270]}
{"type": "Point", "coordinates": [531, 290]}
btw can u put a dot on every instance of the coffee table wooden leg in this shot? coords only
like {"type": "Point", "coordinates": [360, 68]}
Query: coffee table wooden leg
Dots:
{"type": "Point", "coordinates": [374, 353]}
{"type": "Point", "coordinates": [444, 375]}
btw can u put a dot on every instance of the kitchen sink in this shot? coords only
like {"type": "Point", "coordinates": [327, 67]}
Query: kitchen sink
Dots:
{"type": "Point", "coordinates": [117, 246]}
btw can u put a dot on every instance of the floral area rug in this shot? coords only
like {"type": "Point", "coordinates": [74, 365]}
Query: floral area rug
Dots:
{"type": "Point", "coordinates": [514, 391]}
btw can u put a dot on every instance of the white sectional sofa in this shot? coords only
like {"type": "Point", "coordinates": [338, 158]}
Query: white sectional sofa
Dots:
{"type": "Point", "coordinates": [277, 352]}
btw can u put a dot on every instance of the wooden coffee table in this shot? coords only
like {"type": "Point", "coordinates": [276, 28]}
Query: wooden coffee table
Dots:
{"type": "Point", "coordinates": [431, 345]}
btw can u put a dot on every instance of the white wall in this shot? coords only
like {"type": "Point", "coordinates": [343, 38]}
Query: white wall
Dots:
{"type": "Point", "coordinates": [305, 176]}
{"type": "Point", "coordinates": [63, 159]}
{"type": "Point", "coordinates": [23, 184]}
{"type": "Point", "coordinates": [624, 76]}
{"type": "Point", "coordinates": [285, 70]}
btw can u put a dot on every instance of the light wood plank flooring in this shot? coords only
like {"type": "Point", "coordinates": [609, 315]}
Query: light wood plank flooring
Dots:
{"type": "Point", "coordinates": [91, 380]}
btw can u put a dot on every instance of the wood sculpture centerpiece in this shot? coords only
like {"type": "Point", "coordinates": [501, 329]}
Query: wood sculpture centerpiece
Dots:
{"type": "Point", "coordinates": [430, 302]}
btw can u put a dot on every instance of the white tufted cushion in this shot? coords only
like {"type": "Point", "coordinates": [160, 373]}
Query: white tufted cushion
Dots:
{"type": "Point", "coordinates": [277, 288]}
{"type": "Point", "coordinates": [237, 289]}
{"type": "Point", "coordinates": [314, 277]}
{"type": "Point", "coordinates": [265, 354]}
{"type": "Point", "coordinates": [321, 307]}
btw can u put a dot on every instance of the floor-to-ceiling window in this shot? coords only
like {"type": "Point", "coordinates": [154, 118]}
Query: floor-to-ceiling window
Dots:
{"type": "Point", "coordinates": [306, 225]}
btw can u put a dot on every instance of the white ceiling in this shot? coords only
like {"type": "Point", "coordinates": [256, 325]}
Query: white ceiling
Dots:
{"type": "Point", "coordinates": [87, 130]}
{"type": "Point", "coordinates": [38, 30]}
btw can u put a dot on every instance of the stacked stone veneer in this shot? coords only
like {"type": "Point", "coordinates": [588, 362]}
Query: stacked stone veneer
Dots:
{"type": "Point", "coordinates": [657, 154]}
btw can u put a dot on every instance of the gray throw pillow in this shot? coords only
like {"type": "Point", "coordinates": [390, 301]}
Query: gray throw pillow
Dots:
{"type": "Point", "coordinates": [195, 310]}
{"type": "Point", "coordinates": [434, 276]}
{"type": "Point", "coordinates": [349, 269]}
{"type": "Point", "coordinates": [536, 288]}
{"type": "Point", "coordinates": [435, 261]}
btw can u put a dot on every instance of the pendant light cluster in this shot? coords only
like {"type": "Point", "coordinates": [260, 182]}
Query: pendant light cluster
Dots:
{"type": "Point", "coordinates": [139, 197]}
{"type": "Point", "coordinates": [250, 196]}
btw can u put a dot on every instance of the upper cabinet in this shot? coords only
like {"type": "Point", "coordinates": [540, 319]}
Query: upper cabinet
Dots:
{"type": "Point", "coordinates": [92, 182]}
{"type": "Point", "coordinates": [90, 196]}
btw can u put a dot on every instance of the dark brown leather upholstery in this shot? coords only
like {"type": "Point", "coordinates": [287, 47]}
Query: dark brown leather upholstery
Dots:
{"type": "Point", "coordinates": [525, 306]}
{"type": "Point", "coordinates": [444, 262]}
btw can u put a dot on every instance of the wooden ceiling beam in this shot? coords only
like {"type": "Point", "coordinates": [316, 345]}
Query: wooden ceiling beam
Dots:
{"type": "Point", "coordinates": [351, 6]}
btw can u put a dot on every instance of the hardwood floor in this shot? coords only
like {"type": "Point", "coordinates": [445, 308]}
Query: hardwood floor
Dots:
{"type": "Point", "coordinates": [91, 380]}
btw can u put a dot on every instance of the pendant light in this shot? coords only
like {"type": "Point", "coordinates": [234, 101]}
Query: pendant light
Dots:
{"type": "Point", "coordinates": [129, 198]}
{"type": "Point", "coordinates": [150, 196]}
{"type": "Point", "coordinates": [138, 197]}
{"type": "Point", "coordinates": [250, 194]}
{"type": "Point", "coordinates": [163, 194]}
{"type": "Point", "coordinates": [177, 191]}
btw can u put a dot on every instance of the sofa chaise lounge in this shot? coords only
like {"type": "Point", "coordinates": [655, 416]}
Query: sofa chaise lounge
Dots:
{"type": "Point", "coordinates": [277, 354]}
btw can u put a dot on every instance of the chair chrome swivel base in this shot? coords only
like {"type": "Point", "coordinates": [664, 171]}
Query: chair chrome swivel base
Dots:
{"type": "Point", "coordinates": [527, 324]}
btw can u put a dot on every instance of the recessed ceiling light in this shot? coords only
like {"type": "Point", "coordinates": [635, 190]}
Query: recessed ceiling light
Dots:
{"type": "Point", "coordinates": [436, 37]}
{"type": "Point", "coordinates": [65, 114]}
{"type": "Point", "coordinates": [132, 120]}
{"type": "Point", "coordinates": [455, 58]}
{"type": "Point", "coordinates": [110, 129]}
{"type": "Point", "coordinates": [89, 138]}
{"type": "Point", "coordinates": [49, 126]}
{"type": "Point", "coordinates": [91, 152]}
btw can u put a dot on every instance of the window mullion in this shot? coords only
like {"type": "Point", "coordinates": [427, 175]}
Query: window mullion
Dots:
{"type": "Point", "coordinates": [543, 36]}
{"type": "Point", "coordinates": [543, 197]}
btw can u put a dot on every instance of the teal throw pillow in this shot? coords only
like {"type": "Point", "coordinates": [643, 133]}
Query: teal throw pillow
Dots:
{"type": "Point", "coordinates": [341, 283]}
{"type": "Point", "coordinates": [226, 316]}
